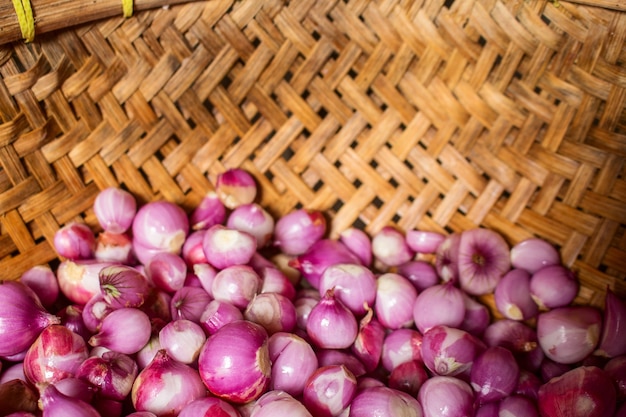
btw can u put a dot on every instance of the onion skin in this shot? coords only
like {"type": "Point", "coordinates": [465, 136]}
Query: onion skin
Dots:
{"type": "Point", "coordinates": [125, 330]}
{"type": "Point", "coordinates": [160, 225]}
{"type": "Point", "coordinates": [113, 374]}
{"type": "Point", "coordinates": [209, 212]}
{"type": "Point", "coordinates": [512, 296]}
{"type": "Point", "coordinates": [422, 241]}
{"type": "Point", "coordinates": [616, 369]}
{"type": "Point", "coordinates": [359, 243]}
{"type": "Point", "coordinates": [328, 357]}
{"type": "Point", "coordinates": [234, 363]}
{"type": "Point", "coordinates": [353, 284]}
{"type": "Point", "coordinates": [254, 220]}
{"type": "Point", "coordinates": [389, 246]}
{"type": "Point", "coordinates": [553, 286]}
{"type": "Point", "coordinates": [447, 258]}
{"type": "Point", "coordinates": [123, 286]}
{"type": "Point", "coordinates": [420, 273]}
{"type": "Point", "coordinates": [408, 377]}
{"type": "Point", "coordinates": [586, 391]}
{"type": "Point", "coordinates": [75, 241]}
{"type": "Point", "coordinates": [276, 403]}
{"type": "Point", "coordinates": [218, 313]}
{"type": "Point", "coordinates": [17, 395]}
{"type": "Point", "coordinates": [224, 246]}
{"type": "Point", "coordinates": [275, 312]}
{"type": "Point", "coordinates": [235, 187]}
{"type": "Point", "coordinates": [613, 338]}
{"type": "Point", "coordinates": [237, 284]}
{"type": "Point", "coordinates": [22, 319]}
{"type": "Point", "coordinates": [318, 257]}
{"type": "Point", "coordinates": [78, 280]}
{"type": "Point", "coordinates": [368, 345]}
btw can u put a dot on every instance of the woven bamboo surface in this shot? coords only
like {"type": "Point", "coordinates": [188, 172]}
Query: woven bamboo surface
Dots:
{"type": "Point", "coordinates": [433, 115]}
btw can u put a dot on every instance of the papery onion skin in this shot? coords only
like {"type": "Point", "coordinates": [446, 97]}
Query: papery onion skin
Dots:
{"type": "Point", "coordinates": [166, 386]}
{"type": "Point", "coordinates": [293, 362]}
{"type": "Point", "coordinates": [384, 402]}
{"type": "Point", "coordinates": [613, 337]}
{"type": "Point", "coordinates": [298, 230]}
{"type": "Point", "coordinates": [56, 354]}
{"type": "Point", "coordinates": [368, 345]}
{"type": "Point", "coordinates": [113, 374]}
{"type": "Point", "coordinates": [123, 286]}
{"type": "Point", "coordinates": [115, 209]}
{"type": "Point", "coordinates": [22, 319]}
{"type": "Point", "coordinates": [55, 404]}
{"type": "Point", "coordinates": [441, 304]}
{"type": "Point", "coordinates": [275, 312]}
{"type": "Point", "coordinates": [444, 396]}
{"type": "Point", "coordinates": [209, 407]}
{"type": "Point", "coordinates": [234, 363]}
{"type": "Point", "coordinates": [569, 334]}
{"type": "Point", "coordinates": [395, 298]}
{"type": "Point", "coordinates": [483, 259]}
{"type": "Point", "coordinates": [329, 390]}
{"type": "Point", "coordinates": [533, 254]}
{"type": "Point", "coordinates": [585, 391]}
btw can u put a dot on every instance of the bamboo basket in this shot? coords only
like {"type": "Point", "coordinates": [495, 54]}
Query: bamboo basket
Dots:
{"type": "Point", "coordinates": [436, 115]}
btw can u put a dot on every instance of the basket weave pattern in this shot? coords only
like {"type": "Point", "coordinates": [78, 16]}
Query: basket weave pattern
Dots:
{"type": "Point", "coordinates": [504, 114]}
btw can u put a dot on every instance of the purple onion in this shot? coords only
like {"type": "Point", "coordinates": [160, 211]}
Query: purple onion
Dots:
{"type": "Point", "coordinates": [395, 298]}
{"type": "Point", "coordinates": [384, 402]}
{"type": "Point", "coordinates": [451, 394]}
{"type": "Point", "coordinates": [75, 241]}
{"type": "Point", "coordinates": [483, 259]}
{"type": "Point", "coordinates": [56, 354]}
{"type": "Point", "coordinates": [518, 406]}
{"type": "Point", "coordinates": [208, 407]}
{"type": "Point", "coordinates": [157, 306]}
{"type": "Point", "coordinates": [293, 362]}
{"type": "Point", "coordinates": [305, 300]}
{"type": "Point", "coordinates": [224, 246]}
{"type": "Point", "coordinates": [56, 404]}
{"type": "Point", "coordinates": [125, 330]}
{"type": "Point", "coordinates": [389, 246]}
{"type": "Point", "coordinates": [528, 384]}
{"type": "Point", "coordinates": [328, 357]}
{"type": "Point", "coordinates": [322, 254]}
{"type": "Point", "coordinates": [616, 370]}
{"type": "Point", "coordinates": [22, 319]}
{"type": "Point", "coordinates": [494, 374]}
{"type": "Point", "coordinates": [77, 388]}
{"type": "Point", "coordinates": [192, 251]}
{"type": "Point", "coordinates": [553, 286]}
{"type": "Point", "coordinates": [167, 271]}
{"type": "Point", "coordinates": [113, 374]}
{"type": "Point", "coordinates": [253, 220]}
{"type": "Point", "coordinates": [448, 351]}
{"type": "Point", "coordinates": [447, 258]}
{"type": "Point", "coordinates": [420, 273]}
{"type": "Point", "coordinates": [115, 209]}
{"type": "Point", "coordinates": [274, 280]}
{"type": "Point", "coordinates": [218, 313]}
{"type": "Point", "coordinates": [79, 280]}
{"type": "Point", "coordinates": [276, 403]}
{"type": "Point", "coordinates": [95, 311]}
{"type": "Point", "coordinates": [149, 351]}
{"type": "Point", "coordinates": [331, 325]}
{"type": "Point", "coordinates": [43, 282]}
{"type": "Point", "coordinates": [329, 390]}
{"type": "Point", "coordinates": [209, 212]}
{"type": "Point", "coordinates": [477, 316]}
{"type": "Point", "coordinates": [189, 303]}
{"type": "Point", "coordinates": [359, 243]}
{"type": "Point", "coordinates": [613, 337]}
{"type": "Point", "coordinates": [517, 337]}
{"type": "Point", "coordinates": [298, 230]}
{"type": "Point", "coordinates": [408, 377]}
{"type": "Point", "coordinates": [400, 346]}
{"type": "Point", "coordinates": [513, 298]}
{"type": "Point", "coordinates": [115, 248]}
{"type": "Point", "coordinates": [353, 284]}
{"type": "Point", "coordinates": [123, 286]}
{"type": "Point", "coordinates": [12, 371]}
{"type": "Point", "coordinates": [368, 345]}
{"type": "Point", "coordinates": [72, 317]}
{"type": "Point", "coordinates": [237, 284]}
{"type": "Point", "coordinates": [235, 187]}
{"type": "Point", "coordinates": [549, 369]}
{"type": "Point", "coordinates": [161, 225]}
{"type": "Point", "coordinates": [441, 304]}
{"type": "Point", "coordinates": [234, 363]}
{"type": "Point", "coordinates": [182, 340]}
{"type": "Point", "coordinates": [533, 254]}
{"type": "Point", "coordinates": [275, 312]}
{"type": "Point", "coordinates": [166, 386]}
{"type": "Point", "coordinates": [422, 241]}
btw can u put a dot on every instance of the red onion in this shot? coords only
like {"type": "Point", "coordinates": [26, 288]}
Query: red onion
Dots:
{"type": "Point", "coordinates": [389, 246]}
{"type": "Point", "coordinates": [234, 363]}
{"type": "Point", "coordinates": [329, 390]}
{"type": "Point", "coordinates": [353, 284]}
{"type": "Point", "coordinates": [144, 253]}
{"type": "Point", "coordinates": [125, 330]}
{"type": "Point", "coordinates": [384, 402]}
{"type": "Point", "coordinates": [56, 354]}
{"type": "Point", "coordinates": [189, 303]}
{"type": "Point", "coordinates": [75, 241]}
{"type": "Point", "coordinates": [322, 254]}
{"type": "Point", "coordinates": [192, 250]}
{"type": "Point", "coordinates": [613, 337]}
{"type": "Point", "coordinates": [95, 311]}
{"type": "Point", "coordinates": [477, 316]}
{"type": "Point", "coordinates": [422, 241]}
{"type": "Point", "coordinates": [305, 300]}
{"type": "Point", "coordinates": [420, 273]}
{"type": "Point", "coordinates": [447, 258]}
{"type": "Point", "coordinates": [568, 334]}
{"type": "Point", "coordinates": [616, 369]}
{"type": "Point", "coordinates": [218, 313]}
{"type": "Point", "coordinates": [512, 296]}
{"type": "Point", "coordinates": [235, 187]}
{"type": "Point", "coordinates": [13, 371]}
{"type": "Point", "coordinates": [366, 382]}
{"type": "Point", "coordinates": [517, 337]}
{"type": "Point", "coordinates": [224, 247]}
{"type": "Point", "coordinates": [331, 325]}
{"type": "Point", "coordinates": [277, 403]}
{"type": "Point", "coordinates": [22, 319]}
{"type": "Point", "coordinates": [488, 410]}
{"type": "Point", "coordinates": [72, 317]}
{"type": "Point", "coordinates": [298, 230]}
{"type": "Point", "coordinates": [275, 312]}
{"type": "Point", "coordinates": [274, 280]}
{"type": "Point", "coordinates": [166, 386]}
{"type": "Point", "coordinates": [167, 271]}
{"type": "Point", "coordinates": [408, 377]}
{"type": "Point", "coordinates": [585, 391]}
{"type": "Point", "coordinates": [533, 254]}
{"type": "Point", "coordinates": [115, 209]}
{"type": "Point", "coordinates": [448, 351]}
{"type": "Point", "coordinates": [78, 280]}
{"type": "Point", "coordinates": [113, 374]}
{"type": "Point", "coordinates": [116, 248]}
{"type": "Point", "coordinates": [182, 340]}
{"type": "Point", "coordinates": [441, 304]}
{"type": "Point", "coordinates": [368, 345]}
{"type": "Point", "coordinates": [400, 346]}
{"type": "Point", "coordinates": [518, 406]}
{"type": "Point", "coordinates": [328, 357]}
{"type": "Point", "coordinates": [359, 243]}
{"type": "Point", "coordinates": [621, 411]}
{"type": "Point", "coordinates": [55, 404]}
{"type": "Point", "coordinates": [293, 362]}
{"type": "Point", "coordinates": [494, 374]}
{"type": "Point", "coordinates": [395, 297]}
{"type": "Point", "coordinates": [528, 384]}
{"type": "Point", "coordinates": [123, 286]}
{"type": "Point", "coordinates": [149, 351]}
{"type": "Point", "coordinates": [161, 225]}
{"type": "Point", "coordinates": [77, 388]}
{"type": "Point", "coordinates": [209, 212]}
{"type": "Point", "coordinates": [553, 286]}
{"type": "Point", "coordinates": [43, 282]}
{"type": "Point", "coordinates": [208, 407]}
{"type": "Point", "coordinates": [253, 220]}
{"type": "Point", "coordinates": [443, 396]}
{"type": "Point", "coordinates": [550, 369]}
{"type": "Point", "coordinates": [484, 258]}
{"type": "Point", "coordinates": [237, 284]}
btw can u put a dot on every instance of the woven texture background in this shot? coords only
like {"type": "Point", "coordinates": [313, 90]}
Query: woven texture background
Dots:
{"type": "Point", "coordinates": [432, 115]}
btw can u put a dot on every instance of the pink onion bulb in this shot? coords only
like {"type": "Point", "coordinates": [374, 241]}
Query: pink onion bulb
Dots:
{"type": "Point", "coordinates": [359, 243]}
{"type": "Point", "coordinates": [298, 230]}
{"type": "Point", "coordinates": [275, 312]}
{"type": "Point", "coordinates": [484, 257]}
{"type": "Point", "coordinates": [237, 284]}
{"type": "Point", "coordinates": [56, 404]}
{"type": "Point", "coordinates": [553, 286]}
{"type": "Point", "coordinates": [293, 362]}
{"type": "Point", "coordinates": [235, 187]}
{"type": "Point", "coordinates": [224, 247]}
{"type": "Point", "coordinates": [423, 241]}
{"type": "Point", "coordinates": [353, 284]}
{"type": "Point", "coordinates": [182, 340]}
{"type": "Point", "coordinates": [613, 338]}
{"type": "Point", "coordinates": [79, 280]}
{"type": "Point", "coordinates": [161, 225]}
{"type": "Point", "coordinates": [513, 298]}
{"type": "Point", "coordinates": [368, 345]}
{"type": "Point", "coordinates": [533, 254]}
{"type": "Point", "coordinates": [276, 403]}
{"type": "Point", "coordinates": [208, 407]}
{"type": "Point", "coordinates": [389, 246]}
{"type": "Point", "coordinates": [253, 220]}
{"type": "Point", "coordinates": [209, 212]}
{"type": "Point", "coordinates": [113, 374]}
{"type": "Point", "coordinates": [125, 330]}
{"type": "Point", "coordinates": [395, 298]}
{"type": "Point", "coordinates": [384, 402]}
{"type": "Point", "coordinates": [42, 280]}
{"type": "Point", "coordinates": [329, 390]}
{"type": "Point", "coordinates": [451, 394]}
{"type": "Point", "coordinates": [115, 209]}
{"type": "Point", "coordinates": [448, 351]}
{"type": "Point", "coordinates": [441, 304]}
{"type": "Point", "coordinates": [218, 313]}
{"type": "Point", "coordinates": [75, 241]}
{"type": "Point", "coordinates": [400, 346]}
{"type": "Point", "coordinates": [331, 325]}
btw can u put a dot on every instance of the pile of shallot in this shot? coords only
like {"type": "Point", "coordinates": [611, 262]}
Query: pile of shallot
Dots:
{"type": "Point", "coordinates": [227, 311]}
